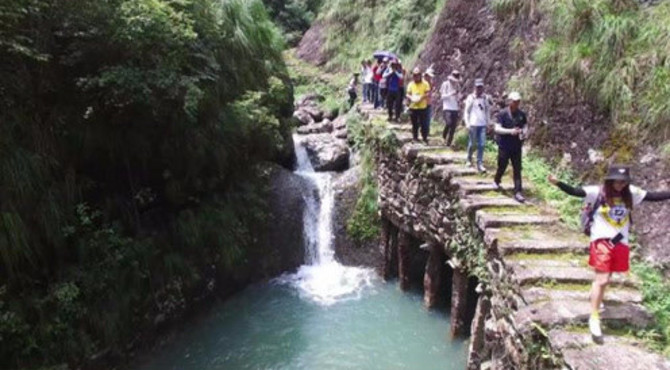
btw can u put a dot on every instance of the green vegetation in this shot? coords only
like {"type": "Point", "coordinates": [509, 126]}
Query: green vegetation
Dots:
{"type": "Point", "coordinates": [368, 137]}
{"type": "Point", "coordinates": [357, 28]}
{"type": "Point", "coordinates": [293, 16]}
{"type": "Point", "coordinates": [616, 53]}
{"type": "Point", "coordinates": [656, 297]}
{"type": "Point", "coordinates": [507, 8]}
{"type": "Point", "coordinates": [308, 79]}
{"type": "Point", "coordinates": [536, 169]}
{"type": "Point", "coordinates": [130, 137]}
{"type": "Point", "coordinates": [560, 257]}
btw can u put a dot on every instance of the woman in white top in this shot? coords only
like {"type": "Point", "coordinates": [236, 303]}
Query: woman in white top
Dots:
{"type": "Point", "coordinates": [449, 93]}
{"type": "Point", "coordinates": [608, 218]}
{"type": "Point", "coordinates": [366, 74]}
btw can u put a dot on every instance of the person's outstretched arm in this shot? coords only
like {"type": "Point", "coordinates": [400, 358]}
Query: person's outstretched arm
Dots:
{"type": "Point", "coordinates": [656, 196]}
{"type": "Point", "coordinates": [575, 192]}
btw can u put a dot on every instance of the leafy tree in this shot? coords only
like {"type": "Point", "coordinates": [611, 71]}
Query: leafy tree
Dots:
{"type": "Point", "coordinates": [129, 137]}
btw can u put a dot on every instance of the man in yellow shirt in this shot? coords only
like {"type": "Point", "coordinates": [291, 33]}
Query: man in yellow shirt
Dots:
{"type": "Point", "coordinates": [417, 94]}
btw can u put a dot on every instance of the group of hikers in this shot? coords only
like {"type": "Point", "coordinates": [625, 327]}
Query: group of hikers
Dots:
{"type": "Point", "coordinates": [384, 88]}
{"type": "Point", "coordinates": [606, 215]}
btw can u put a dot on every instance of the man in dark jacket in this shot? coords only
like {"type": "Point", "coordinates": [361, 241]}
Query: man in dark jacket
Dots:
{"type": "Point", "coordinates": [512, 128]}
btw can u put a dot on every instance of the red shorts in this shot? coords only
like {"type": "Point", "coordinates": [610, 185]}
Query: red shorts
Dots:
{"type": "Point", "coordinates": [604, 258]}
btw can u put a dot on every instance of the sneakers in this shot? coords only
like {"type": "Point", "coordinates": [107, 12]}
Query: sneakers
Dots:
{"type": "Point", "coordinates": [469, 163]}
{"type": "Point", "coordinates": [519, 197]}
{"type": "Point", "coordinates": [481, 168]}
{"type": "Point", "coordinates": [594, 328]}
{"type": "Point", "coordinates": [497, 185]}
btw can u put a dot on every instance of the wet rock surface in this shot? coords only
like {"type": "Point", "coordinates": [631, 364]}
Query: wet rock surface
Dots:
{"type": "Point", "coordinates": [348, 251]}
{"type": "Point", "coordinates": [325, 140]}
{"type": "Point", "coordinates": [327, 153]}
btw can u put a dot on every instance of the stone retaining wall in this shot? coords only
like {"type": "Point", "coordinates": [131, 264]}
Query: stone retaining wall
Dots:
{"type": "Point", "coordinates": [532, 302]}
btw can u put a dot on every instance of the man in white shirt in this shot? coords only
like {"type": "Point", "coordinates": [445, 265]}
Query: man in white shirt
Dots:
{"type": "Point", "coordinates": [449, 93]}
{"type": "Point", "coordinates": [477, 116]}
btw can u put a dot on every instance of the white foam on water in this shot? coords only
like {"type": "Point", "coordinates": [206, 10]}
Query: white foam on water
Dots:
{"type": "Point", "coordinates": [322, 279]}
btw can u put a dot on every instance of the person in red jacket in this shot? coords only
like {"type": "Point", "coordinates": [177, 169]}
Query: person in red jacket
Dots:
{"type": "Point", "coordinates": [378, 72]}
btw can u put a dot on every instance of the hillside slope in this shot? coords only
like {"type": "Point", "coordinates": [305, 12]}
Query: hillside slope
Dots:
{"type": "Point", "coordinates": [566, 122]}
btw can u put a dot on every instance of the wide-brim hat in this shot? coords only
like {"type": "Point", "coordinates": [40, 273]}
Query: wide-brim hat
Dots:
{"type": "Point", "coordinates": [618, 172]}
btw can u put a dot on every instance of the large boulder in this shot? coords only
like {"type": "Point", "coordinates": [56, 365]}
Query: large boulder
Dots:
{"type": "Point", "coordinates": [327, 153]}
{"type": "Point", "coordinates": [340, 123]}
{"type": "Point", "coordinates": [314, 111]}
{"type": "Point", "coordinates": [310, 99]}
{"type": "Point", "coordinates": [303, 117]}
{"type": "Point", "coordinates": [348, 251]}
{"type": "Point", "coordinates": [281, 240]}
{"type": "Point", "coordinates": [316, 128]}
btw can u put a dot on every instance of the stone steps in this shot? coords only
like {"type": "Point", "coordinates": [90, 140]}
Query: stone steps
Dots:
{"type": "Point", "coordinates": [547, 260]}
{"type": "Point", "coordinates": [574, 312]}
{"type": "Point", "coordinates": [406, 138]}
{"type": "Point", "coordinates": [612, 296]}
{"type": "Point", "coordinates": [440, 157]}
{"type": "Point", "coordinates": [616, 353]}
{"type": "Point", "coordinates": [527, 275]}
{"type": "Point", "coordinates": [477, 202]}
{"type": "Point", "coordinates": [496, 220]}
{"type": "Point", "coordinates": [469, 188]}
{"type": "Point", "coordinates": [537, 241]}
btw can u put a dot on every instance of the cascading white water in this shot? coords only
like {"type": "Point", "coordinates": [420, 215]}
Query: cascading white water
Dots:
{"type": "Point", "coordinates": [322, 278]}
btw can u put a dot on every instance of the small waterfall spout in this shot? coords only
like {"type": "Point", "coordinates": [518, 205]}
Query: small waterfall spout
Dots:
{"type": "Point", "coordinates": [322, 279]}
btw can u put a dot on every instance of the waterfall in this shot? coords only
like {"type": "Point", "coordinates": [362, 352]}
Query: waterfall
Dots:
{"type": "Point", "coordinates": [322, 279]}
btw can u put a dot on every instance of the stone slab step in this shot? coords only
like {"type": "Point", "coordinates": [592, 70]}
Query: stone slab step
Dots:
{"type": "Point", "coordinates": [449, 171]}
{"type": "Point", "coordinates": [536, 240]}
{"type": "Point", "coordinates": [494, 220]}
{"type": "Point", "coordinates": [527, 275]}
{"type": "Point", "coordinates": [616, 353]}
{"type": "Point", "coordinates": [612, 296]}
{"type": "Point", "coordinates": [400, 127]}
{"type": "Point", "coordinates": [573, 312]}
{"type": "Point", "coordinates": [405, 138]}
{"type": "Point", "coordinates": [477, 202]}
{"type": "Point", "coordinates": [466, 188]}
{"type": "Point", "coordinates": [421, 150]}
{"type": "Point", "coordinates": [440, 157]}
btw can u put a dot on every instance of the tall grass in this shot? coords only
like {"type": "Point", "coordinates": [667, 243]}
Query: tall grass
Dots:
{"type": "Point", "coordinates": [616, 53]}
{"type": "Point", "coordinates": [357, 28]}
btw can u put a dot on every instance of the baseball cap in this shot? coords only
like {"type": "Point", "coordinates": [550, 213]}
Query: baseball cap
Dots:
{"type": "Point", "coordinates": [618, 172]}
{"type": "Point", "coordinates": [479, 82]}
{"type": "Point", "coordinates": [514, 96]}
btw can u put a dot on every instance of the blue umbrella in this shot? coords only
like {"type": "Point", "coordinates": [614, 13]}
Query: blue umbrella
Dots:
{"type": "Point", "coordinates": [384, 54]}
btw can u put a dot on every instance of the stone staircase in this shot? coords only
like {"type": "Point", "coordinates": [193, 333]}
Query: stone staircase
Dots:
{"type": "Point", "coordinates": [548, 262]}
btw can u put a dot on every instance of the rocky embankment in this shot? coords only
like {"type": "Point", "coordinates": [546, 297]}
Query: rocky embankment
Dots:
{"type": "Point", "coordinates": [323, 136]}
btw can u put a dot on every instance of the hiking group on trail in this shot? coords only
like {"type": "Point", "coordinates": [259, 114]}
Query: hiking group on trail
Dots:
{"type": "Point", "coordinates": [606, 216]}
{"type": "Point", "coordinates": [384, 88]}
